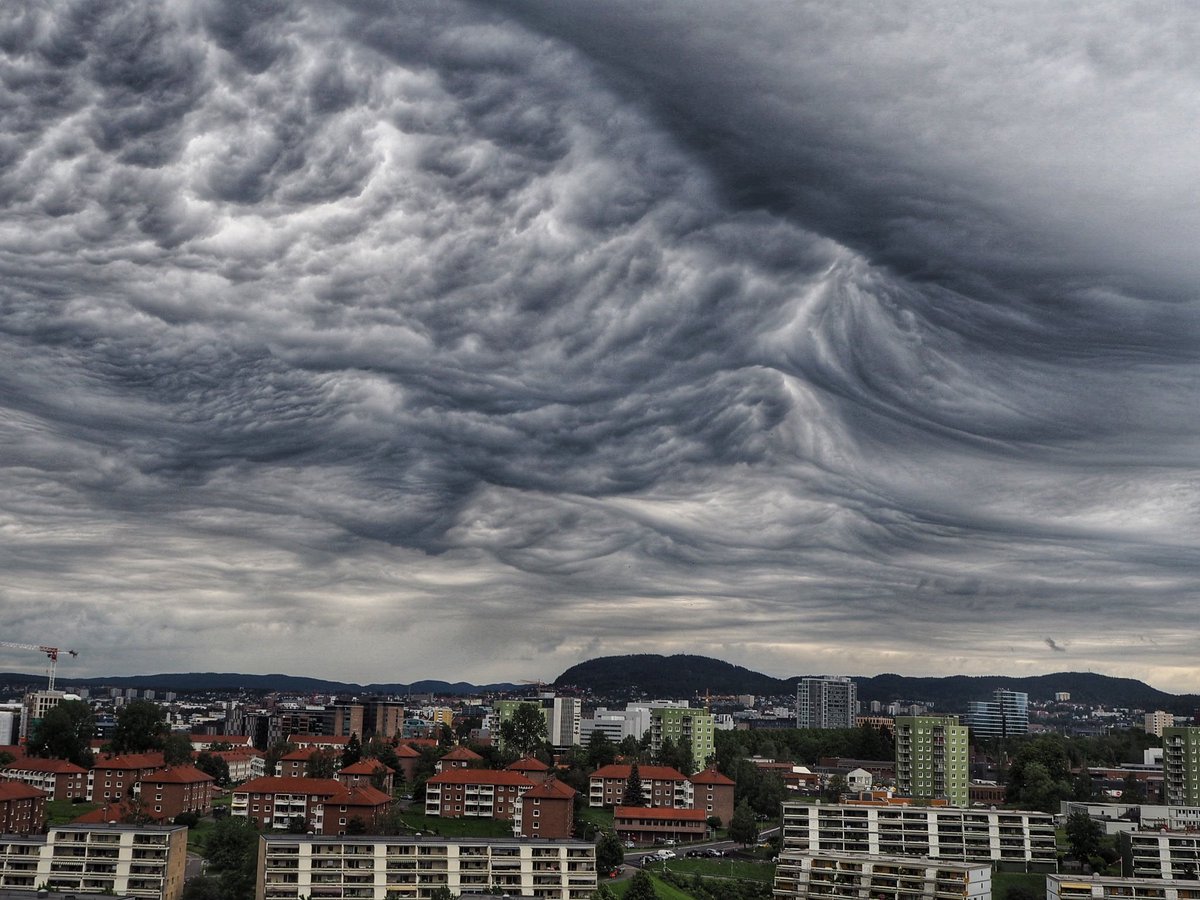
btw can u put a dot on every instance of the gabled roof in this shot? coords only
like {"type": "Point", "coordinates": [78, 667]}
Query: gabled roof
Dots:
{"type": "Point", "coordinates": [552, 789]}
{"type": "Point", "coordinates": [360, 796]}
{"type": "Point", "coordinates": [646, 773]}
{"type": "Point", "coordinates": [302, 755]}
{"type": "Point", "coordinates": [16, 790]}
{"type": "Point", "coordinates": [365, 767]}
{"type": "Point", "coordinates": [404, 751]}
{"type": "Point", "coordinates": [658, 812]}
{"type": "Point", "coordinates": [528, 764]}
{"type": "Point", "coordinates": [321, 787]}
{"type": "Point", "coordinates": [480, 776]}
{"type": "Point", "coordinates": [711, 776]}
{"type": "Point", "coordinates": [56, 766]}
{"type": "Point", "coordinates": [462, 753]}
{"type": "Point", "coordinates": [178, 775]}
{"type": "Point", "coordinates": [152, 760]}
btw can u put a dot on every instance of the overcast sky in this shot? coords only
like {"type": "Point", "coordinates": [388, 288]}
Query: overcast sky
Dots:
{"type": "Point", "coordinates": [382, 340]}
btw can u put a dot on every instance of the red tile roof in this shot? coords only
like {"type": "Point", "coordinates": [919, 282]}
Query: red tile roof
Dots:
{"type": "Point", "coordinates": [152, 760]}
{"type": "Point", "coordinates": [553, 790]}
{"type": "Point", "coordinates": [711, 776]}
{"type": "Point", "coordinates": [33, 764]}
{"type": "Point", "coordinates": [360, 796]}
{"type": "Point", "coordinates": [480, 776]}
{"type": "Point", "coordinates": [268, 785]}
{"type": "Point", "coordinates": [178, 775]}
{"type": "Point", "coordinates": [528, 764]}
{"type": "Point", "coordinates": [317, 739]}
{"type": "Point", "coordinates": [300, 755]}
{"type": "Point", "coordinates": [365, 767]}
{"type": "Point", "coordinates": [646, 773]}
{"type": "Point", "coordinates": [15, 790]}
{"type": "Point", "coordinates": [109, 812]}
{"type": "Point", "coordinates": [404, 751]}
{"type": "Point", "coordinates": [658, 812]}
{"type": "Point", "coordinates": [462, 753]}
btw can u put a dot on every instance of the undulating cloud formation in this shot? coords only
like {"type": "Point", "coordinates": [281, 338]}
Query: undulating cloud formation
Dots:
{"type": "Point", "coordinates": [388, 340]}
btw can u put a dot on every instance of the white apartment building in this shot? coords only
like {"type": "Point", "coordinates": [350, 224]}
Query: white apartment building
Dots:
{"type": "Point", "coordinates": [412, 868]}
{"type": "Point", "coordinates": [139, 860]}
{"type": "Point", "coordinates": [1165, 854]}
{"type": "Point", "coordinates": [1014, 839]}
{"type": "Point", "coordinates": [836, 876]}
{"type": "Point", "coordinates": [1107, 887]}
{"type": "Point", "coordinates": [1158, 720]}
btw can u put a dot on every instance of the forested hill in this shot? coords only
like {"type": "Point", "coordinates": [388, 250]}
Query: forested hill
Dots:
{"type": "Point", "coordinates": [652, 675]}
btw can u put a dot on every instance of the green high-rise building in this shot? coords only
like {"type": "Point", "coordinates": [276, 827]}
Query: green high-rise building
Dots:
{"type": "Point", "coordinates": [1181, 766]}
{"type": "Point", "coordinates": [695, 728]}
{"type": "Point", "coordinates": [933, 759]}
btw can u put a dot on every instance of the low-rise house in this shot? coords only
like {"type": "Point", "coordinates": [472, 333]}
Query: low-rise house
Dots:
{"type": "Point", "coordinates": [354, 809]}
{"type": "Point", "coordinates": [22, 808]}
{"type": "Point", "coordinates": [713, 793]}
{"type": "Point", "coordinates": [60, 779]}
{"type": "Point", "coordinates": [483, 793]}
{"type": "Point", "coordinates": [645, 825]}
{"type": "Point", "coordinates": [368, 772]}
{"type": "Point", "coordinates": [661, 786]}
{"type": "Point", "coordinates": [546, 810]}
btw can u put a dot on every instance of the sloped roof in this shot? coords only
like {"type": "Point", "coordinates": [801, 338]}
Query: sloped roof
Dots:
{"type": "Point", "coordinates": [528, 764]}
{"type": "Point", "coordinates": [646, 773]}
{"type": "Point", "coordinates": [17, 790]}
{"type": "Point", "coordinates": [57, 766]}
{"type": "Point", "coordinates": [462, 753]}
{"type": "Point", "coordinates": [711, 776]}
{"type": "Point", "coordinates": [268, 785]}
{"type": "Point", "coordinates": [360, 796]}
{"type": "Point", "coordinates": [480, 776]}
{"type": "Point", "coordinates": [152, 760]}
{"type": "Point", "coordinates": [178, 775]}
{"type": "Point", "coordinates": [552, 789]}
{"type": "Point", "coordinates": [365, 767]}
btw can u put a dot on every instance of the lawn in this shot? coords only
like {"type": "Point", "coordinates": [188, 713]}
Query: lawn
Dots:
{"type": "Point", "coordinates": [1002, 881]}
{"type": "Point", "coordinates": [60, 812]}
{"type": "Point", "coordinates": [600, 817]}
{"type": "Point", "coordinates": [661, 888]}
{"type": "Point", "coordinates": [464, 827]}
{"type": "Point", "coordinates": [721, 868]}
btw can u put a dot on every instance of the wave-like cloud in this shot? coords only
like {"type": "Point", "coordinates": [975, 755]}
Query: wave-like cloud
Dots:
{"type": "Point", "coordinates": [457, 341]}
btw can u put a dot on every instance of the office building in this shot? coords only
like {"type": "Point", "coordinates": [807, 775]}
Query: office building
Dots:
{"type": "Point", "coordinates": [562, 714]}
{"type": "Point", "coordinates": [835, 876]}
{"type": "Point", "coordinates": [1014, 839]}
{"type": "Point", "coordinates": [413, 868]}
{"type": "Point", "coordinates": [1181, 766]}
{"type": "Point", "coordinates": [1006, 714]}
{"type": "Point", "coordinates": [933, 759]}
{"type": "Point", "coordinates": [139, 860]}
{"type": "Point", "coordinates": [827, 702]}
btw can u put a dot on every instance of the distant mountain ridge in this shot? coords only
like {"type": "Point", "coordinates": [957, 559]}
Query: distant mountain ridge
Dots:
{"type": "Point", "coordinates": [291, 684]}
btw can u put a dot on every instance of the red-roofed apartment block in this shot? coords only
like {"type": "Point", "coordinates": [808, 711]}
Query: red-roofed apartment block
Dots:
{"type": "Point", "coordinates": [547, 810]}
{"type": "Point", "coordinates": [713, 793]}
{"type": "Point", "coordinates": [112, 777]}
{"type": "Point", "coordinates": [328, 806]}
{"type": "Point", "coordinates": [485, 793]}
{"type": "Point", "coordinates": [22, 808]}
{"type": "Point", "coordinates": [661, 786]}
{"type": "Point", "coordinates": [367, 772]}
{"type": "Point", "coordinates": [169, 792]}
{"type": "Point", "coordinates": [459, 758]}
{"type": "Point", "coordinates": [57, 777]}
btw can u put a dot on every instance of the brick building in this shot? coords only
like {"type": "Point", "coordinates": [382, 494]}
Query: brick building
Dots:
{"type": "Point", "coordinates": [459, 758]}
{"type": "Point", "coordinates": [367, 772]}
{"type": "Point", "coordinates": [486, 793]}
{"type": "Point", "coordinates": [713, 793]}
{"type": "Point", "coordinates": [547, 810]}
{"type": "Point", "coordinates": [169, 792]}
{"type": "Point", "coordinates": [57, 777]}
{"type": "Point", "coordinates": [533, 769]}
{"type": "Point", "coordinates": [661, 786]}
{"type": "Point", "coordinates": [645, 825]}
{"type": "Point", "coordinates": [274, 802]}
{"type": "Point", "coordinates": [112, 778]}
{"type": "Point", "coordinates": [22, 808]}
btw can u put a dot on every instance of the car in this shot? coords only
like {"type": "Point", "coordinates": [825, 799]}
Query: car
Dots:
{"type": "Point", "coordinates": [629, 845]}
{"type": "Point", "coordinates": [670, 842]}
{"type": "Point", "coordinates": [732, 851]}
{"type": "Point", "coordinates": [712, 851]}
{"type": "Point", "coordinates": [613, 873]}
{"type": "Point", "coordinates": [695, 853]}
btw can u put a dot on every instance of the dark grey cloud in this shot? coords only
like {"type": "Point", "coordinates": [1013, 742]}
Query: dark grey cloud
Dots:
{"type": "Point", "coordinates": [508, 335]}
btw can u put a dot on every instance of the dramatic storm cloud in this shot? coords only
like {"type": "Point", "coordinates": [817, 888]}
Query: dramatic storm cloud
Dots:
{"type": "Point", "coordinates": [381, 341]}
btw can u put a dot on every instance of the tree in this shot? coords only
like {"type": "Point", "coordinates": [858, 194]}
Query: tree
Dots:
{"type": "Point", "coordinates": [600, 750]}
{"type": "Point", "coordinates": [446, 736]}
{"type": "Point", "coordinates": [141, 726]}
{"type": "Point", "coordinates": [177, 750]}
{"type": "Point", "coordinates": [203, 887]}
{"type": "Point", "coordinates": [1083, 836]}
{"type": "Point", "coordinates": [1132, 790]}
{"type": "Point", "coordinates": [274, 753]}
{"type": "Point", "coordinates": [1040, 774]}
{"type": "Point", "coordinates": [321, 764]}
{"type": "Point", "coordinates": [633, 788]}
{"type": "Point", "coordinates": [136, 812]}
{"type": "Point", "coordinates": [629, 747]}
{"type": "Point", "coordinates": [232, 849]}
{"type": "Point", "coordinates": [297, 825]}
{"type": "Point", "coordinates": [352, 752]}
{"type": "Point", "coordinates": [610, 853]}
{"type": "Point", "coordinates": [603, 892]}
{"type": "Point", "coordinates": [641, 887]}
{"type": "Point", "coordinates": [65, 732]}
{"type": "Point", "coordinates": [526, 730]}
{"type": "Point", "coordinates": [833, 789]}
{"type": "Point", "coordinates": [743, 827]}
{"type": "Point", "coordinates": [211, 764]}
{"type": "Point", "coordinates": [442, 893]}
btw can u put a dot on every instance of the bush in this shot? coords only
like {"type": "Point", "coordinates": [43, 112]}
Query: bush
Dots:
{"type": "Point", "coordinates": [190, 819]}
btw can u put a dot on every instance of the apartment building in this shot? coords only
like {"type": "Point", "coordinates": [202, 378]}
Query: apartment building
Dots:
{"type": "Point", "coordinates": [661, 786]}
{"type": "Point", "coordinates": [693, 728]}
{"type": "Point", "coordinates": [1106, 887]}
{"type": "Point", "coordinates": [713, 793]}
{"type": "Point", "coordinates": [836, 876]}
{"type": "Point", "coordinates": [367, 772]}
{"type": "Point", "coordinates": [1165, 854]}
{"type": "Point", "coordinates": [60, 779]}
{"type": "Point", "coordinates": [1181, 766]}
{"type": "Point", "coordinates": [112, 778]}
{"type": "Point", "coordinates": [22, 808]}
{"type": "Point", "coordinates": [1013, 839]}
{"type": "Point", "coordinates": [168, 792]}
{"type": "Point", "coordinates": [533, 769]}
{"type": "Point", "coordinates": [546, 810]}
{"type": "Point", "coordinates": [412, 868]}
{"type": "Point", "coordinates": [483, 793]}
{"type": "Point", "coordinates": [830, 701]}
{"type": "Point", "coordinates": [647, 825]}
{"type": "Point", "coordinates": [459, 758]}
{"type": "Point", "coordinates": [274, 802]}
{"type": "Point", "coordinates": [138, 860]}
{"type": "Point", "coordinates": [1158, 721]}
{"type": "Point", "coordinates": [933, 759]}
{"type": "Point", "coordinates": [563, 717]}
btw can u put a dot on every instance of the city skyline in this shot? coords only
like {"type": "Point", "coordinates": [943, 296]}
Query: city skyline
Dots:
{"type": "Point", "coordinates": [381, 341]}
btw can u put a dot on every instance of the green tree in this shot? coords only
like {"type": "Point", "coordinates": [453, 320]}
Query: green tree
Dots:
{"type": "Point", "coordinates": [65, 732]}
{"type": "Point", "coordinates": [274, 753]}
{"type": "Point", "coordinates": [833, 789]}
{"type": "Point", "coordinates": [610, 853]}
{"type": "Point", "coordinates": [630, 747]}
{"type": "Point", "coordinates": [600, 750]}
{"type": "Point", "coordinates": [203, 887]}
{"type": "Point", "coordinates": [1083, 835]}
{"type": "Point", "coordinates": [526, 730]}
{"type": "Point", "coordinates": [213, 765]}
{"type": "Point", "coordinates": [641, 887]}
{"type": "Point", "coordinates": [321, 764]}
{"type": "Point", "coordinates": [743, 827]}
{"type": "Point", "coordinates": [297, 825]}
{"type": "Point", "coordinates": [633, 795]}
{"type": "Point", "coordinates": [232, 850]}
{"type": "Point", "coordinates": [352, 752]}
{"type": "Point", "coordinates": [177, 750]}
{"type": "Point", "coordinates": [442, 893]}
{"type": "Point", "coordinates": [1039, 776]}
{"type": "Point", "coordinates": [603, 892]}
{"type": "Point", "coordinates": [141, 726]}
{"type": "Point", "coordinates": [1132, 790]}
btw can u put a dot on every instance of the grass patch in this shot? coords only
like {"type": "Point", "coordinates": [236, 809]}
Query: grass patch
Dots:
{"type": "Point", "coordinates": [60, 812]}
{"type": "Point", "coordinates": [661, 888]}
{"type": "Point", "coordinates": [465, 827]}
{"type": "Point", "coordinates": [597, 815]}
{"type": "Point", "coordinates": [1002, 881]}
{"type": "Point", "coordinates": [721, 868]}
{"type": "Point", "coordinates": [198, 834]}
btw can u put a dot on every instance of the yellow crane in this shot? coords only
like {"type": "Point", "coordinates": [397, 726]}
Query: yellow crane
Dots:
{"type": "Point", "coordinates": [51, 652]}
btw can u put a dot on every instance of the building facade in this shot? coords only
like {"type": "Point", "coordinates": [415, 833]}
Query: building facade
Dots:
{"type": "Point", "coordinates": [1013, 839]}
{"type": "Point", "coordinates": [1165, 854]}
{"type": "Point", "coordinates": [60, 779]}
{"type": "Point", "coordinates": [1106, 887]}
{"type": "Point", "coordinates": [413, 868]}
{"type": "Point", "coordinates": [1181, 766]}
{"type": "Point", "coordinates": [836, 876]}
{"type": "Point", "coordinates": [661, 786]}
{"type": "Point", "coordinates": [1157, 721]}
{"type": "Point", "coordinates": [22, 808]}
{"type": "Point", "coordinates": [1005, 715]}
{"type": "Point", "coordinates": [139, 860]}
{"type": "Point", "coordinates": [692, 728]}
{"type": "Point", "coordinates": [827, 702]}
{"type": "Point", "coordinates": [933, 759]}
{"type": "Point", "coordinates": [481, 793]}
{"type": "Point", "coordinates": [645, 825]}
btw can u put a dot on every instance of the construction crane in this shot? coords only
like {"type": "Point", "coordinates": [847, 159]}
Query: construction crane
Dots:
{"type": "Point", "coordinates": [51, 652]}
